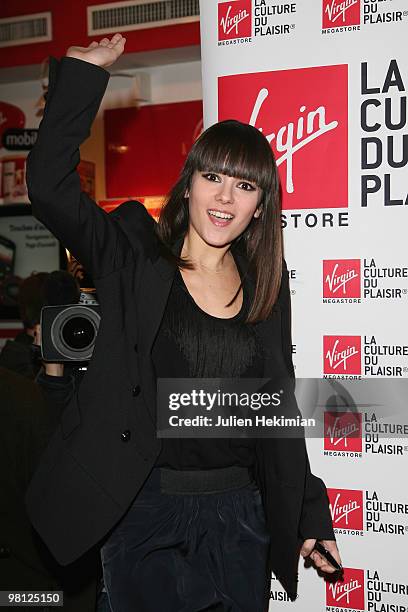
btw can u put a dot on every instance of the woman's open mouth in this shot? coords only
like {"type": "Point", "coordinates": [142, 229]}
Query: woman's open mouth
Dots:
{"type": "Point", "coordinates": [219, 218]}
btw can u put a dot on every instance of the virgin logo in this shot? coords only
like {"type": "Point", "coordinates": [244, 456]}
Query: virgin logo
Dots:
{"type": "Point", "coordinates": [342, 354]}
{"type": "Point", "coordinates": [346, 507]}
{"type": "Point", "coordinates": [229, 23]}
{"type": "Point", "coordinates": [341, 591]}
{"type": "Point", "coordinates": [341, 277]}
{"type": "Point", "coordinates": [337, 358]}
{"type": "Point", "coordinates": [234, 19]}
{"type": "Point", "coordinates": [292, 137]}
{"type": "Point", "coordinates": [340, 510]}
{"type": "Point", "coordinates": [303, 114]}
{"type": "Point", "coordinates": [348, 593]}
{"type": "Point", "coordinates": [336, 10]}
{"type": "Point", "coordinates": [336, 282]}
{"type": "Point", "coordinates": [339, 431]}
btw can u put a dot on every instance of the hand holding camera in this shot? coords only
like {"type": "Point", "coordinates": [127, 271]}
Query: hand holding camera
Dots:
{"type": "Point", "coordinates": [52, 369]}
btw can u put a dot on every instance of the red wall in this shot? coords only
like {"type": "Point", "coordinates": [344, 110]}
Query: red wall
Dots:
{"type": "Point", "coordinates": [157, 137]}
{"type": "Point", "coordinates": [69, 27]}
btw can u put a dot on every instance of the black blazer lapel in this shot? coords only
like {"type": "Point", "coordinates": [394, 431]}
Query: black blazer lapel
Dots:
{"type": "Point", "coordinates": [157, 280]}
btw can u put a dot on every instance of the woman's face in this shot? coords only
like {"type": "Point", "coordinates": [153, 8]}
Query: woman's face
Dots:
{"type": "Point", "coordinates": [221, 207]}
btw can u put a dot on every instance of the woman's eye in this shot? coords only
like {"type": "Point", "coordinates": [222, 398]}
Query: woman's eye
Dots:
{"type": "Point", "coordinates": [210, 176]}
{"type": "Point", "coordinates": [247, 186]}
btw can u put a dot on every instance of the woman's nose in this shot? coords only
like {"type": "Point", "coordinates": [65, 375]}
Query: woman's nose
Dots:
{"type": "Point", "coordinates": [225, 192]}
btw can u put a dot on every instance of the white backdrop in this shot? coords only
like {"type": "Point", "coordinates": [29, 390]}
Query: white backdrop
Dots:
{"type": "Point", "coordinates": [326, 81]}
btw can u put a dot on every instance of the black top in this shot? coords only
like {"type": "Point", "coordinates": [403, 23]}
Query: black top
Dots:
{"type": "Point", "coordinates": [193, 343]}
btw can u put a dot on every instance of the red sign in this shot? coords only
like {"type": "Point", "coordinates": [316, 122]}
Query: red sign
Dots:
{"type": "Point", "coordinates": [342, 355]}
{"type": "Point", "coordinates": [338, 13]}
{"type": "Point", "coordinates": [346, 507]}
{"type": "Point", "coordinates": [234, 19]}
{"type": "Point", "coordinates": [347, 593]}
{"type": "Point", "coordinates": [341, 278]}
{"type": "Point", "coordinates": [10, 117]}
{"type": "Point", "coordinates": [303, 114]}
{"type": "Point", "coordinates": [343, 431]}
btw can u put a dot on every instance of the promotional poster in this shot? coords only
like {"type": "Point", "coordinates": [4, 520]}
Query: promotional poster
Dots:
{"type": "Point", "coordinates": [326, 82]}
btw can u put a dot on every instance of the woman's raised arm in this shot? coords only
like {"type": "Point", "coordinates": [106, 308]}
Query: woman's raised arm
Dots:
{"type": "Point", "coordinates": [76, 87]}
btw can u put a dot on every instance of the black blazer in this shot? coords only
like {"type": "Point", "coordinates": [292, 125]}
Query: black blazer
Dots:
{"type": "Point", "coordinates": [106, 443]}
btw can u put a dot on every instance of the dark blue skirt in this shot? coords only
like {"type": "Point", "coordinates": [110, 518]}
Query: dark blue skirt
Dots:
{"type": "Point", "coordinates": [178, 552]}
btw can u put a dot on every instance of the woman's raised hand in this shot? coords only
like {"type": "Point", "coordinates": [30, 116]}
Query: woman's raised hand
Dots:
{"type": "Point", "coordinates": [103, 53]}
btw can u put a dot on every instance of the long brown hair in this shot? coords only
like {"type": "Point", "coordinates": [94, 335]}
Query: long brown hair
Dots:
{"type": "Point", "coordinates": [239, 150]}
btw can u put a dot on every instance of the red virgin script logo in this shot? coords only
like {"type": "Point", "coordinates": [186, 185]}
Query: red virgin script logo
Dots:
{"type": "Point", "coordinates": [234, 19]}
{"type": "Point", "coordinates": [348, 593]}
{"type": "Point", "coordinates": [341, 278]}
{"type": "Point", "coordinates": [343, 431]}
{"type": "Point", "coordinates": [337, 13]}
{"type": "Point", "coordinates": [346, 507]}
{"type": "Point", "coordinates": [303, 114]}
{"type": "Point", "coordinates": [342, 355]}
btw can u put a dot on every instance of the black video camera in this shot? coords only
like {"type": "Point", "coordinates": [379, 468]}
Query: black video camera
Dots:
{"type": "Point", "coordinates": [68, 333]}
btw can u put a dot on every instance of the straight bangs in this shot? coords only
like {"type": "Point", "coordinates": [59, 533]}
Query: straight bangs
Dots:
{"type": "Point", "coordinates": [241, 152]}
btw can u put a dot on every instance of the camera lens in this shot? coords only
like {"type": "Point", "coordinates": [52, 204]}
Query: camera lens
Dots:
{"type": "Point", "coordinates": [74, 331]}
{"type": "Point", "coordinates": [78, 333]}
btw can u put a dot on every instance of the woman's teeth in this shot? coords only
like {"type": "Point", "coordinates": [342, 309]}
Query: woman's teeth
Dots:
{"type": "Point", "coordinates": [220, 215]}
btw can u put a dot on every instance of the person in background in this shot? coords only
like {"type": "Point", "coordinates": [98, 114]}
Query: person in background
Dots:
{"type": "Point", "coordinates": [30, 410]}
{"type": "Point", "coordinates": [28, 417]}
{"type": "Point", "coordinates": [17, 354]}
{"type": "Point", "coordinates": [38, 290]}
{"type": "Point", "coordinates": [59, 382]}
{"type": "Point", "coordinates": [60, 288]}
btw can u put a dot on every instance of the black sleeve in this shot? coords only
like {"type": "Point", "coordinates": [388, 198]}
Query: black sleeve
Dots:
{"type": "Point", "coordinates": [94, 237]}
{"type": "Point", "coordinates": [315, 521]}
{"type": "Point", "coordinates": [57, 390]}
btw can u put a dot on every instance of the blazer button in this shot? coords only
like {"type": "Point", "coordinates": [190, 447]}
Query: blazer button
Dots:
{"type": "Point", "coordinates": [4, 552]}
{"type": "Point", "coordinates": [136, 390]}
{"type": "Point", "coordinates": [135, 347]}
{"type": "Point", "coordinates": [125, 435]}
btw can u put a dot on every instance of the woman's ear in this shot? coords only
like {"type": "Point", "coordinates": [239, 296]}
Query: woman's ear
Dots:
{"type": "Point", "coordinates": [186, 193]}
{"type": "Point", "coordinates": [258, 212]}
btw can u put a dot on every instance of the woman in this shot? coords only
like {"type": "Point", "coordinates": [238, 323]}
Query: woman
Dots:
{"type": "Point", "coordinates": [193, 524]}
